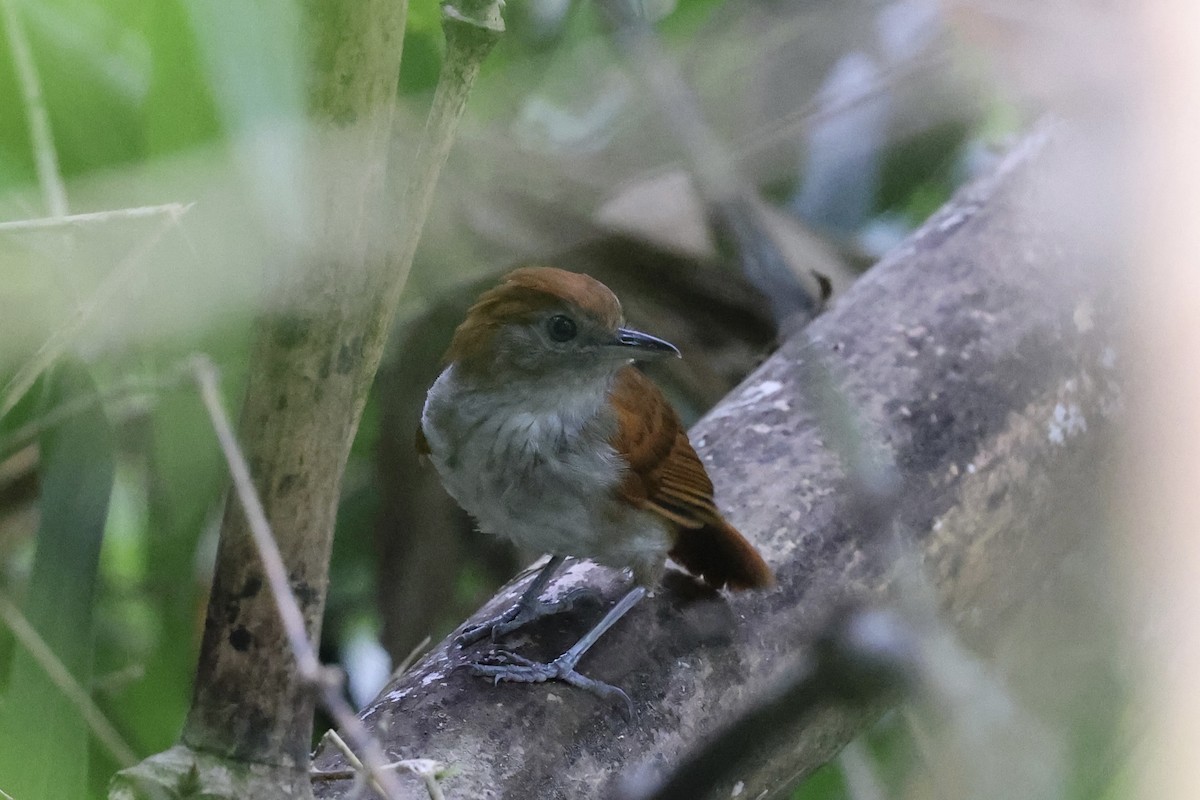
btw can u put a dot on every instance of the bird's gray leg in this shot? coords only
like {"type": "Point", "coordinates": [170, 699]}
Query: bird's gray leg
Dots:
{"type": "Point", "coordinates": [528, 608]}
{"type": "Point", "coordinates": [522, 670]}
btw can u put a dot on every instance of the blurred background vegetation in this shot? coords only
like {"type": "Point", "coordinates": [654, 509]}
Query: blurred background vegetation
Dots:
{"type": "Point", "coordinates": [854, 120]}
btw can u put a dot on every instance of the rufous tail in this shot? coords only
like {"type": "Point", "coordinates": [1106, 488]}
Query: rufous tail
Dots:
{"type": "Point", "coordinates": [721, 557]}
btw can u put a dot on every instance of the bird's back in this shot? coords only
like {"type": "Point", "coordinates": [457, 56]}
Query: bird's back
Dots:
{"type": "Point", "coordinates": [665, 477]}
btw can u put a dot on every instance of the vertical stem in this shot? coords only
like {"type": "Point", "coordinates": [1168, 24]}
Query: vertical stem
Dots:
{"type": "Point", "coordinates": [315, 356]}
{"type": "Point", "coordinates": [311, 368]}
{"type": "Point", "coordinates": [472, 28]}
{"type": "Point", "coordinates": [303, 650]}
{"type": "Point", "coordinates": [40, 135]}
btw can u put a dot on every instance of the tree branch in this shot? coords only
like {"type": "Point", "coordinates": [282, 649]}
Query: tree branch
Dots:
{"type": "Point", "coordinates": [978, 355]}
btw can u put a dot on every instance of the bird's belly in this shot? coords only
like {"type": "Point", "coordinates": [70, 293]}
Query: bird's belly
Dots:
{"type": "Point", "coordinates": [540, 503]}
{"type": "Point", "coordinates": [564, 503]}
{"type": "Point", "coordinates": [541, 473]}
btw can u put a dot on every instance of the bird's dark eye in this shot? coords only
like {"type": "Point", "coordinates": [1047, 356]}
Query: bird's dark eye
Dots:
{"type": "Point", "coordinates": [561, 328]}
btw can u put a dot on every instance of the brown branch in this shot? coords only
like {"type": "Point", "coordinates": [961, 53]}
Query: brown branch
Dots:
{"type": "Point", "coordinates": [978, 355]}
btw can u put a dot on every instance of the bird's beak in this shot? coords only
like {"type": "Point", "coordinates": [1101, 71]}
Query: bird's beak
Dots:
{"type": "Point", "coordinates": [642, 346]}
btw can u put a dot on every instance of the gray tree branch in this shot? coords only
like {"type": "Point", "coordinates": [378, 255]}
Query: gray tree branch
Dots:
{"type": "Point", "coordinates": [979, 356]}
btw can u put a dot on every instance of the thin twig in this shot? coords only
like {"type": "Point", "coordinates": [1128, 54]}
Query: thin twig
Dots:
{"type": "Point", "coordinates": [708, 159]}
{"type": "Point", "coordinates": [925, 752]}
{"type": "Point", "coordinates": [5, 795]}
{"type": "Point", "coordinates": [744, 148]}
{"type": "Point", "coordinates": [730, 201]}
{"type": "Point", "coordinates": [786, 128]}
{"type": "Point", "coordinates": [411, 658]}
{"type": "Point", "coordinates": [172, 210]}
{"type": "Point", "coordinates": [472, 27]}
{"type": "Point", "coordinates": [858, 773]}
{"type": "Point", "coordinates": [124, 398]}
{"type": "Point", "coordinates": [353, 759]}
{"type": "Point", "coordinates": [425, 768]}
{"type": "Point", "coordinates": [136, 391]}
{"type": "Point", "coordinates": [61, 339]}
{"type": "Point", "coordinates": [326, 681]}
{"type": "Point", "coordinates": [40, 135]}
{"type": "Point", "coordinates": [416, 766]}
{"type": "Point", "coordinates": [62, 678]}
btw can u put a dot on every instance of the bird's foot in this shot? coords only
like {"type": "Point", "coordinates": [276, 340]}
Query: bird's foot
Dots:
{"type": "Point", "coordinates": [524, 613]}
{"type": "Point", "coordinates": [504, 665]}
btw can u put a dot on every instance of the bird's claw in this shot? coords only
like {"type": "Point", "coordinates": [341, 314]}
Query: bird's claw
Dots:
{"type": "Point", "coordinates": [521, 615]}
{"type": "Point", "coordinates": [489, 628]}
{"type": "Point", "coordinates": [505, 665]}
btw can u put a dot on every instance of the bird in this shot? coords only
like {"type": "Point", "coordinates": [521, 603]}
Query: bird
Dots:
{"type": "Point", "coordinates": [544, 431]}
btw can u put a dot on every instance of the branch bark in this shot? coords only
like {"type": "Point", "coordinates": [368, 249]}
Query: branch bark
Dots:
{"type": "Point", "coordinates": [978, 356]}
{"type": "Point", "coordinates": [249, 729]}
{"type": "Point", "coordinates": [316, 352]}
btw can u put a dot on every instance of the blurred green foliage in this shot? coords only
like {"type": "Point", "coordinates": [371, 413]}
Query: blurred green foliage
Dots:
{"type": "Point", "coordinates": [77, 479]}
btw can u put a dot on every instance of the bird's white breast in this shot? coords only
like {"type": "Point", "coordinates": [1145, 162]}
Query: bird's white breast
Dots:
{"type": "Point", "coordinates": [532, 461]}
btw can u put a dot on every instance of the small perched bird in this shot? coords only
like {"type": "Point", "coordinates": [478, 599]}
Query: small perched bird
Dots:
{"type": "Point", "coordinates": [541, 428]}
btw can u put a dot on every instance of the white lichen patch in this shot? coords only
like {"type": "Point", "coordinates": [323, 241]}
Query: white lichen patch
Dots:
{"type": "Point", "coordinates": [573, 577]}
{"type": "Point", "coordinates": [760, 391]}
{"type": "Point", "coordinates": [761, 428]}
{"type": "Point", "coordinates": [394, 696]}
{"type": "Point", "coordinates": [952, 220]}
{"type": "Point", "coordinates": [1066, 420]}
{"type": "Point", "coordinates": [1084, 317]}
{"type": "Point", "coordinates": [750, 397]}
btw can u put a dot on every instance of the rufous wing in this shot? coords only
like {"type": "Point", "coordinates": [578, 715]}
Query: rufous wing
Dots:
{"type": "Point", "coordinates": [667, 478]}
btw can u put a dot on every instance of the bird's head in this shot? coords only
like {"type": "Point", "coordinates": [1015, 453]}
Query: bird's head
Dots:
{"type": "Point", "coordinates": [543, 322]}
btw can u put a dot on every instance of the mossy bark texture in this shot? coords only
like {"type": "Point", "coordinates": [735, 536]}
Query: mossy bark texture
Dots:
{"type": "Point", "coordinates": [328, 306]}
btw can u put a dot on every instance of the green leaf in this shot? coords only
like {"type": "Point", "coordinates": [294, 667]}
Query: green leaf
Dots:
{"type": "Point", "coordinates": [254, 59]}
{"type": "Point", "coordinates": [189, 477]}
{"type": "Point", "coordinates": [51, 760]}
{"type": "Point", "coordinates": [180, 110]}
{"type": "Point", "coordinates": [92, 78]}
